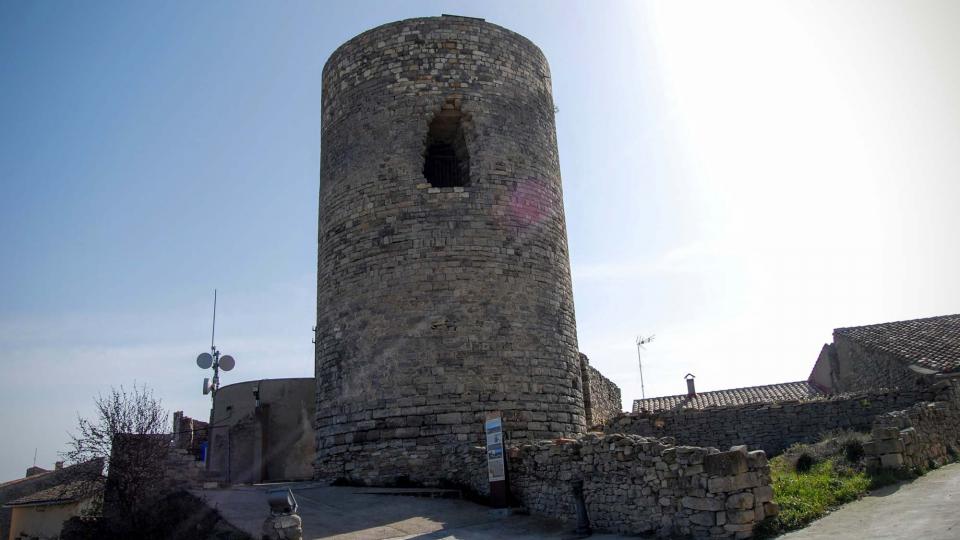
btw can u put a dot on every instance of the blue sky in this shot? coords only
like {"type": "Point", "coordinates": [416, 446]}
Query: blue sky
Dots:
{"type": "Point", "coordinates": [740, 178]}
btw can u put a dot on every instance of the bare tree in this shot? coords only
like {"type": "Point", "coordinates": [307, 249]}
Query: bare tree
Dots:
{"type": "Point", "coordinates": [129, 433]}
{"type": "Point", "coordinates": [118, 413]}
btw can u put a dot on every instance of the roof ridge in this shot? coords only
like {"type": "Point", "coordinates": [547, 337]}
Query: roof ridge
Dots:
{"type": "Point", "coordinates": [920, 319]}
{"type": "Point", "coordinates": [724, 390]}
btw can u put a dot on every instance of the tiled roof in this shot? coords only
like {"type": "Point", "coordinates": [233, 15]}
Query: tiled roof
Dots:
{"type": "Point", "coordinates": [24, 479]}
{"type": "Point", "coordinates": [933, 343]}
{"type": "Point", "coordinates": [62, 493]}
{"type": "Point", "coordinates": [770, 393]}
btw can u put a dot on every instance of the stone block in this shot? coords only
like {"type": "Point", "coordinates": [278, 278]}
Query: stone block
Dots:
{"type": "Point", "coordinates": [740, 501]}
{"type": "Point", "coordinates": [733, 483]}
{"type": "Point", "coordinates": [706, 519]}
{"type": "Point", "coordinates": [726, 463]}
{"type": "Point", "coordinates": [882, 433]}
{"type": "Point", "coordinates": [763, 494]}
{"type": "Point", "coordinates": [771, 509]}
{"type": "Point", "coordinates": [888, 446]}
{"type": "Point", "coordinates": [702, 503]}
{"type": "Point", "coordinates": [757, 458]}
{"type": "Point", "coordinates": [891, 461]}
{"type": "Point", "coordinates": [448, 418]}
{"type": "Point", "coordinates": [740, 516]}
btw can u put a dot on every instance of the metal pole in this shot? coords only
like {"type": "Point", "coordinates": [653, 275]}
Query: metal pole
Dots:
{"type": "Point", "coordinates": [643, 391]}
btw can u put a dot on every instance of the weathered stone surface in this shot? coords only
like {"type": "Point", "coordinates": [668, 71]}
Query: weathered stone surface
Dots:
{"type": "Point", "coordinates": [740, 516]}
{"type": "Point", "coordinates": [761, 425]}
{"type": "Point", "coordinates": [439, 303]}
{"type": "Point", "coordinates": [707, 519]}
{"type": "Point", "coordinates": [726, 463]}
{"type": "Point", "coordinates": [763, 493]}
{"type": "Point", "coordinates": [733, 483]}
{"type": "Point", "coordinates": [891, 461]}
{"type": "Point", "coordinates": [740, 501]}
{"type": "Point", "coordinates": [702, 503]}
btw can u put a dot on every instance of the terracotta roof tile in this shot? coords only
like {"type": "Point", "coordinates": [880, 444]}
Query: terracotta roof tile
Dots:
{"type": "Point", "coordinates": [932, 343]}
{"type": "Point", "coordinates": [61, 493]}
{"type": "Point", "coordinates": [770, 393]}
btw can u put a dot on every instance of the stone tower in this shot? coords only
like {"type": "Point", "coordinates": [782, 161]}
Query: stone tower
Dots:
{"type": "Point", "coordinates": [443, 283]}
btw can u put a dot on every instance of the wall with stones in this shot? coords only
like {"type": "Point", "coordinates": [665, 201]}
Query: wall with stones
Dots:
{"type": "Point", "coordinates": [854, 368]}
{"type": "Point", "coordinates": [267, 437]}
{"type": "Point", "coordinates": [770, 427]}
{"type": "Point", "coordinates": [634, 485]}
{"type": "Point", "coordinates": [601, 397]}
{"type": "Point", "coordinates": [189, 433]}
{"type": "Point", "coordinates": [438, 304]}
{"type": "Point", "coordinates": [922, 436]}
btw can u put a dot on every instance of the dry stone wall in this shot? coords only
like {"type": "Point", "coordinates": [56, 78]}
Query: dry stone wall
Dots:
{"type": "Point", "coordinates": [922, 436]}
{"type": "Point", "coordinates": [439, 303]}
{"type": "Point", "coordinates": [635, 485]}
{"type": "Point", "coordinates": [770, 427]}
{"type": "Point", "coordinates": [601, 397]}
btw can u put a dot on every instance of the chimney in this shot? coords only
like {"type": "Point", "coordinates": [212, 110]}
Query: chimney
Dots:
{"type": "Point", "coordinates": [58, 465]}
{"type": "Point", "coordinates": [691, 389]}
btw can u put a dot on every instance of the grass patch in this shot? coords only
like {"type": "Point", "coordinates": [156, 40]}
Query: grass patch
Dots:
{"type": "Point", "coordinates": [809, 480]}
{"type": "Point", "coordinates": [806, 496]}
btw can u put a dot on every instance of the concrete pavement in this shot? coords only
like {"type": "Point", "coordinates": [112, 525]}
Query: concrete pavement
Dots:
{"type": "Point", "coordinates": [345, 513]}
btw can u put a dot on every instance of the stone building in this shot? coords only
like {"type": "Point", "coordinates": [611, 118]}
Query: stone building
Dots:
{"type": "Point", "coordinates": [904, 354]}
{"type": "Point", "coordinates": [41, 515]}
{"type": "Point", "coordinates": [867, 371]}
{"type": "Point", "coordinates": [443, 285]}
{"type": "Point", "coordinates": [263, 431]}
{"type": "Point", "coordinates": [38, 480]}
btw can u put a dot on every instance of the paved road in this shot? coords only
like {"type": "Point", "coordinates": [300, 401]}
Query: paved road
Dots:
{"type": "Point", "coordinates": [344, 513]}
{"type": "Point", "coordinates": [927, 508]}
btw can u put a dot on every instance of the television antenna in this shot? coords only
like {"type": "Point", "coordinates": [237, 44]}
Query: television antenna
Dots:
{"type": "Point", "coordinates": [213, 358]}
{"type": "Point", "coordinates": [641, 341]}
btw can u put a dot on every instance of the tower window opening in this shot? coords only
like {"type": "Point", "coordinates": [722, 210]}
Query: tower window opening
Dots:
{"type": "Point", "coordinates": [445, 161]}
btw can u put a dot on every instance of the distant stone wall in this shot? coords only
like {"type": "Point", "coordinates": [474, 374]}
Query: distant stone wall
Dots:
{"type": "Point", "coordinates": [922, 436]}
{"type": "Point", "coordinates": [770, 427]}
{"type": "Point", "coordinates": [634, 485]}
{"type": "Point", "coordinates": [189, 433]}
{"type": "Point", "coordinates": [601, 397]}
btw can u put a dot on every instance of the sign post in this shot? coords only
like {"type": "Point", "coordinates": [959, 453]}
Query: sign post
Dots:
{"type": "Point", "coordinates": [496, 461]}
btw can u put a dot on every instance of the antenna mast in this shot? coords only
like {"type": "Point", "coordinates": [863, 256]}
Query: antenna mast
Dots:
{"type": "Point", "coordinates": [213, 358]}
{"type": "Point", "coordinates": [213, 331]}
{"type": "Point", "coordinates": [641, 341]}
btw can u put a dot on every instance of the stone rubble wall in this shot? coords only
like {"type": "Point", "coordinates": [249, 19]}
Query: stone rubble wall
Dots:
{"type": "Point", "coordinates": [634, 485]}
{"type": "Point", "coordinates": [922, 436]}
{"type": "Point", "coordinates": [601, 397]}
{"type": "Point", "coordinates": [189, 433]}
{"type": "Point", "coordinates": [771, 427]}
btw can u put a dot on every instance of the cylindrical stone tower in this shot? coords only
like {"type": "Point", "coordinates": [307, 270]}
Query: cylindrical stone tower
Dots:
{"type": "Point", "coordinates": [443, 283]}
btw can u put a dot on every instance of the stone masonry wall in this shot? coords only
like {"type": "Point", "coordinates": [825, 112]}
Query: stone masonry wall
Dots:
{"type": "Point", "coordinates": [635, 485]}
{"type": "Point", "coordinates": [922, 436]}
{"type": "Point", "coordinates": [770, 427]}
{"type": "Point", "coordinates": [856, 369]}
{"type": "Point", "coordinates": [601, 397]}
{"type": "Point", "coordinates": [436, 305]}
